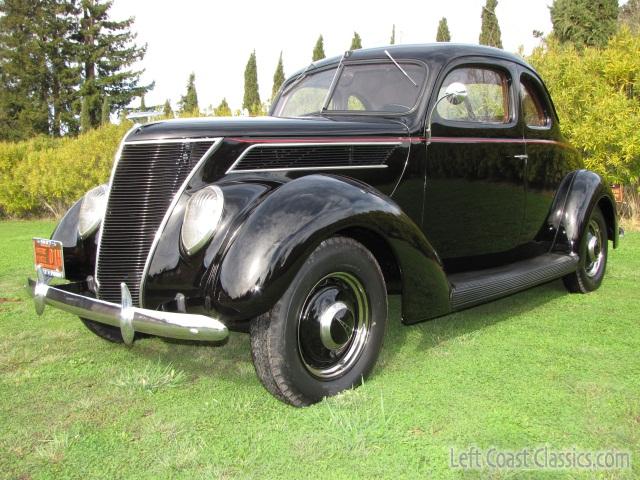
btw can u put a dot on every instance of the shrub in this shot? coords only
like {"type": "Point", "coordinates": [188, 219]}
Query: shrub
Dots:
{"type": "Point", "coordinates": [45, 175]}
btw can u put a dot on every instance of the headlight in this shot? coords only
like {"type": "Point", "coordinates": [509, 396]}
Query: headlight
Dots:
{"type": "Point", "coordinates": [201, 218]}
{"type": "Point", "coordinates": [92, 210]}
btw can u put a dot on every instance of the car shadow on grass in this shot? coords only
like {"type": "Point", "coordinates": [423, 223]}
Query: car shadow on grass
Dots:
{"type": "Point", "coordinates": [231, 361]}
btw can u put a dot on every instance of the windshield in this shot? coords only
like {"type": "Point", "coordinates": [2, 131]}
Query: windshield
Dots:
{"type": "Point", "coordinates": [363, 88]}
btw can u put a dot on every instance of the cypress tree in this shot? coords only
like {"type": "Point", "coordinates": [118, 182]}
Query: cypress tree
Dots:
{"type": "Point", "coordinates": [443, 31]}
{"type": "Point", "coordinates": [490, 31]}
{"type": "Point", "coordinates": [189, 102]}
{"type": "Point", "coordinates": [318, 50]}
{"type": "Point", "coordinates": [105, 116]}
{"type": "Point", "coordinates": [393, 35]}
{"type": "Point", "coordinates": [167, 111]}
{"type": "Point", "coordinates": [143, 105]}
{"type": "Point", "coordinates": [278, 78]}
{"type": "Point", "coordinates": [251, 100]}
{"type": "Point", "coordinates": [85, 116]}
{"type": "Point", "coordinates": [356, 42]}
{"type": "Point", "coordinates": [106, 53]}
{"type": "Point", "coordinates": [584, 22]}
{"type": "Point", "coordinates": [223, 109]}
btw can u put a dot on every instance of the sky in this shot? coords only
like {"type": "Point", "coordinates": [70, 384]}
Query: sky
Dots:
{"type": "Point", "coordinates": [214, 39]}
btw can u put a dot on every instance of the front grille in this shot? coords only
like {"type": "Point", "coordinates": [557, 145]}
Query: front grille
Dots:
{"type": "Point", "coordinates": [145, 180]}
{"type": "Point", "coordinates": [266, 157]}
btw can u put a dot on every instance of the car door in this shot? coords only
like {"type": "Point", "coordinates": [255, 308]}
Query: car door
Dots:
{"type": "Point", "coordinates": [548, 158]}
{"type": "Point", "coordinates": [474, 190]}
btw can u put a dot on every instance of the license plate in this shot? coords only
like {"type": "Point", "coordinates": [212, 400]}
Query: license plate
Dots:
{"type": "Point", "coordinates": [48, 256]}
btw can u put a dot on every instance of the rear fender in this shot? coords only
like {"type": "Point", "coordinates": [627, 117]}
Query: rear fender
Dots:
{"type": "Point", "coordinates": [587, 190]}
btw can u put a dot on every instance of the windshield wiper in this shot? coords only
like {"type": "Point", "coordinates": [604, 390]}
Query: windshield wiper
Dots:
{"type": "Point", "coordinates": [298, 79]}
{"type": "Point", "coordinates": [332, 86]}
{"type": "Point", "coordinates": [400, 68]}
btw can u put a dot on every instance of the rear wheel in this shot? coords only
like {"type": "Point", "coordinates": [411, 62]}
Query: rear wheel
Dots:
{"type": "Point", "coordinates": [593, 256]}
{"type": "Point", "coordinates": [325, 333]}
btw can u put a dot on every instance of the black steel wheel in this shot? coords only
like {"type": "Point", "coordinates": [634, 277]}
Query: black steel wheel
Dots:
{"type": "Point", "coordinates": [593, 256]}
{"type": "Point", "coordinates": [325, 333]}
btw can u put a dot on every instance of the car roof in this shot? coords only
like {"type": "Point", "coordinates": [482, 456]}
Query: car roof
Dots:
{"type": "Point", "coordinates": [440, 52]}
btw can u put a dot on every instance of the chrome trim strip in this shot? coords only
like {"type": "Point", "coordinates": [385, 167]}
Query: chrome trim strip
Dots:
{"type": "Point", "coordinates": [172, 140]}
{"type": "Point", "coordinates": [231, 169]}
{"type": "Point", "coordinates": [172, 205]}
{"type": "Point", "coordinates": [113, 172]}
{"type": "Point", "coordinates": [129, 319]}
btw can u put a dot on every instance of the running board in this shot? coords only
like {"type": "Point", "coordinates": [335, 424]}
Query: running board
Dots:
{"type": "Point", "coordinates": [473, 288]}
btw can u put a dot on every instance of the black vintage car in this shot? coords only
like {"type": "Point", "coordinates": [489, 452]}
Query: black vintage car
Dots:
{"type": "Point", "coordinates": [435, 171]}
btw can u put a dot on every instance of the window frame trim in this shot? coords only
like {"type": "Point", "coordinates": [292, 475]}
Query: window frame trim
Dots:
{"type": "Point", "coordinates": [538, 91]}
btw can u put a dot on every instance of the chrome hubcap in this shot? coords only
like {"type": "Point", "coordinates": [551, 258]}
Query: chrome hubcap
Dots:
{"type": "Point", "coordinates": [333, 326]}
{"type": "Point", "coordinates": [594, 249]}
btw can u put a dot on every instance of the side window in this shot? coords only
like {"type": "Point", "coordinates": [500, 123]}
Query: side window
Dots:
{"type": "Point", "coordinates": [533, 109]}
{"type": "Point", "coordinates": [487, 100]}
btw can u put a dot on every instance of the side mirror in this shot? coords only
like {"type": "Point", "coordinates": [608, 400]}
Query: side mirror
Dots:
{"type": "Point", "coordinates": [456, 93]}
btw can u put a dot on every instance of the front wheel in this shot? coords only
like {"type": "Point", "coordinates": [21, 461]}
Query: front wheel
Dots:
{"type": "Point", "coordinates": [325, 333]}
{"type": "Point", "coordinates": [593, 256]}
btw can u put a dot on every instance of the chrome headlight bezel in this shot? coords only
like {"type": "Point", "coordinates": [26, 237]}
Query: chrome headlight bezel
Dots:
{"type": "Point", "coordinates": [201, 218]}
{"type": "Point", "coordinates": [92, 210]}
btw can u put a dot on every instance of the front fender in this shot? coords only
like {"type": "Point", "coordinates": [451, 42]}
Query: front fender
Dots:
{"type": "Point", "coordinates": [587, 190]}
{"type": "Point", "coordinates": [274, 240]}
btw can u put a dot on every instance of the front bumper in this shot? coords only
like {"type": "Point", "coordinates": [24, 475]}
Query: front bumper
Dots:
{"type": "Point", "coordinates": [129, 319]}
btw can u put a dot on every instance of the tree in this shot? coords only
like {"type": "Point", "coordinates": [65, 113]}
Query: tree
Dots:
{"type": "Point", "coordinates": [105, 116]}
{"type": "Point", "coordinates": [167, 111]}
{"type": "Point", "coordinates": [392, 41]}
{"type": "Point", "coordinates": [490, 31]}
{"type": "Point", "coordinates": [591, 84]}
{"type": "Point", "coordinates": [143, 105]}
{"type": "Point", "coordinates": [251, 100]}
{"type": "Point", "coordinates": [630, 15]}
{"type": "Point", "coordinates": [106, 53]}
{"type": "Point", "coordinates": [188, 103]}
{"type": "Point", "coordinates": [278, 78]}
{"type": "Point", "coordinates": [584, 22]}
{"type": "Point", "coordinates": [356, 42]}
{"type": "Point", "coordinates": [37, 76]}
{"type": "Point", "coordinates": [443, 34]}
{"type": "Point", "coordinates": [223, 109]}
{"type": "Point", "coordinates": [85, 116]}
{"type": "Point", "coordinates": [318, 50]}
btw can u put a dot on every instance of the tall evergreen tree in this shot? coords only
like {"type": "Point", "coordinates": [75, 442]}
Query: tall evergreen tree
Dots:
{"type": "Point", "coordinates": [443, 31]}
{"type": "Point", "coordinates": [318, 50]}
{"type": "Point", "coordinates": [143, 105]}
{"type": "Point", "coordinates": [85, 116]}
{"type": "Point", "coordinates": [630, 15]}
{"type": "Point", "coordinates": [490, 31]}
{"type": "Point", "coordinates": [584, 22]}
{"type": "Point", "coordinates": [251, 100]}
{"type": "Point", "coordinates": [189, 101]}
{"type": "Point", "coordinates": [223, 109]}
{"type": "Point", "coordinates": [167, 111]}
{"type": "Point", "coordinates": [107, 51]}
{"type": "Point", "coordinates": [392, 41]}
{"type": "Point", "coordinates": [37, 77]}
{"type": "Point", "coordinates": [278, 78]}
{"type": "Point", "coordinates": [105, 116]}
{"type": "Point", "coordinates": [356, 42]}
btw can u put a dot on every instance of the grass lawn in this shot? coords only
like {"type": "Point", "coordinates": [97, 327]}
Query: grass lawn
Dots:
{"type": "Point", "coordinates": [539, 368]}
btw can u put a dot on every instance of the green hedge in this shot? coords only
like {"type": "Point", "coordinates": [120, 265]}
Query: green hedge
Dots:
{"type": "Point", "coordinates": [44, 176]}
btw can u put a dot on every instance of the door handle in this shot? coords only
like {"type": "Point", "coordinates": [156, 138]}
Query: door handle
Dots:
{"type": "Point", "coordinates": [521, 157]}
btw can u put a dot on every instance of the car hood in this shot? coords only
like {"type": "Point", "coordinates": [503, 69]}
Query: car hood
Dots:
{"type": "Point", "coordinates": [266, 127]}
